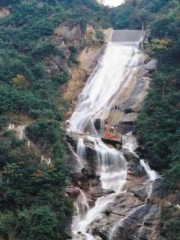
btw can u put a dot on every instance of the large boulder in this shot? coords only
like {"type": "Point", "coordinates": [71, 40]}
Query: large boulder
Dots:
{"type": "Point", "coordinates": [99, 192]}
{"type": "Point", "coordinates": [72, 192]}
{"type": "Point", "coordinates": [151, 65]}
{"type": "Point", "coordinates": [123, 204]}
{"type": "Point", "coordinates": [141, 191]}
{"type": "Point", "coordinates": [157, 188]}
{"type": "Point", "coordinates": [138, 223]}
{"type": "Point", "coordinates": [143, 59]}
{"type": "Point", "coordinates": [134, 168]}
{"type": "Point", "coordinates": [97, 123]}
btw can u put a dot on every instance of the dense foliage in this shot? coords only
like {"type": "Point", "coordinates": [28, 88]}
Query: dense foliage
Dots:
{"type": "Point", "coordinates": [33, 204]}
{"type": "Point", "coordinates": [32, 200]}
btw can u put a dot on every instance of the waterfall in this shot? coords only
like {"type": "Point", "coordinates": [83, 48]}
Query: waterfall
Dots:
{"type": "Point", "coordinates": [129, 142]}
{"type": "Point", "coordinates": [111, 77]}
{"type": "Point", "coordinates": [81, 153]}
{"type": "Point", "coordinates": [153, 175]}
{"type": "Point", "coordinates": [108, 83]}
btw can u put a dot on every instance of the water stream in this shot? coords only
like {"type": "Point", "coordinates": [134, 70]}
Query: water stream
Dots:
{"type": "Point", "coordinates": [109, 81]}
{"type": "Point", "coordinates": [129, 142]}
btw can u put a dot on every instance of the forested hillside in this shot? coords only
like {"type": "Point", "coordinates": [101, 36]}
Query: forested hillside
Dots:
{"type": "Point", "coordinates": [35, 62]}
{"type": "Point", "coordinates": [33, 204]}
{"type": "Point", "coordinates": [158, 124]}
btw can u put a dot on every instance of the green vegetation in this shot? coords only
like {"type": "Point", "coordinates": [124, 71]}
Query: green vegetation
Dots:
{"type": "Point", "coordinates": [32, 200]}
{"type": "Point", "coordinates": [158, 123]}
{"type": "Point", "coordinates": [170, 224]}
{"type": "Point", "coordinates": [33, 66]}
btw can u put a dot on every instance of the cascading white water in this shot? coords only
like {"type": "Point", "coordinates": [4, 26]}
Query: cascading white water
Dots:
{"type": "Point", "coordinates": [113, 74]}
{"type": "Point", "coordinates": [153, 175]}
{"type": "Point", "coordinates": [115, 70]}
{"type": "Point", "coordinates": [112, 171]}
{"type": "Point", "coordinates": [81, 153]}
{"type": "Point", "coordinates": [129, 142]}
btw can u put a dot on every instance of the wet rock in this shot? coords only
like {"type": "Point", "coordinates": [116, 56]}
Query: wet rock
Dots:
{"type": "Point", "coordinates": [126, 127]}
{"type": "Point", "coordinates": [89, 57]}
{"type": "Point", "coordinates": [134, 168]}
{"type": "Point", "coordinates": [91, 202]}
{"type": "Point", "coordinates": [128, 228]}
{"type": "Point", "coordinates": [127, 154]}
{"type": "Point", "coordinates": [72, 192]}
{"type": "Point", "coordinates": [141, 212]}
{"type": "Point", "coordinates": [142, 72]}
{"type": "Point", "coordinates": [134, 102]}
{"type": "Point", "coordinates": [126, 199]}
{"type": "Point", "coordinates": [78, 176]}
{"type": "Point", "coordinates": [133, 181]}
{"type": "Point", "coordinates": [141, 191]}
{"type": "Point", "coordinates": [103, 227]}
{"type": "Point", "coordinates": [99, 192]}
{"type": "Point", "coordinates": [157, 188]}
{"type": "Point", "coordinates": [91, 156]}
{"type": "Point", "coordinates": [127, 218]}
{"type": "Point", "coordinates": [153, 215]}
{"type": "Point", "coordinates": [72, 158]}
{"type": "Point", "coordinates": [130, 117]}
{"type": "Point", "coordinates": [97, 124]}
{"type": "Point", "coordinates": [88, 172]}
{"type": "Point", "coordinates": [94, 182]}
{"type": "Point", "coordinates": [72, 140]}
{"type": "Point", "coordinates": [145, 234]}
{"type": "Point", "coordinates": [97, 237]}
{"type": "Point", "coordinates": [67, 232]}
{"type": "Point", "coordinates": [143, 59]}
{"type": "Point", "coordinates": [79, 180]}
{"type": "Point", "coordinates": [126, 204]}
{"type": "Point", "coordinates": [151, 65]}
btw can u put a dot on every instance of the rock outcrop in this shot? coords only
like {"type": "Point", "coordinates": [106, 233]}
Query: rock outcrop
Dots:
{"type": "Point", "coordinates": [134, 213]}
{"type": "Point", "coordinates": [131, 216]}
{"type": "Point", "coordinates": [88, 60]}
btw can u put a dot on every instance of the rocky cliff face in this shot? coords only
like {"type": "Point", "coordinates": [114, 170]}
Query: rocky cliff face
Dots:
{"type": "Point", "coordinates": [135, 212]}
{"type": "Point", "coordinates": [89, 53]}
{"type": "Point", "coordinates": [128, 105]}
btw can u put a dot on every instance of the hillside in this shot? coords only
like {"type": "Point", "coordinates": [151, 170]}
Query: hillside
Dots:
{"type": "Point", "coordinates": [48, 48]}
{"type": "Point", "coordinates": [158, 124]}
{"type": "Point", "coordinates": [39, 42]}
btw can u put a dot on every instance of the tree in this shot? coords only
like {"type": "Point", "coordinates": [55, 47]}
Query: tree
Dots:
{"type": "Point", "coordinates": [38, 223]}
